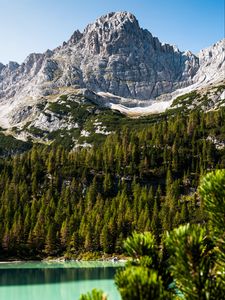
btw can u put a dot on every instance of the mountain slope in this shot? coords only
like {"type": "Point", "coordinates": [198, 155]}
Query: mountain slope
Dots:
{"type": "Point", "coordinates": [112, 55]}
{"type": "Point", "coordinates": [212, 64]}
{"type": "Point", "coordinates": [113, 63]}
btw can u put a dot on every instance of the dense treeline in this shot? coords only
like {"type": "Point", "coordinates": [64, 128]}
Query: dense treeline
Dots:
{"type": "Point", "coordinates": [189, 262]}
{"type": "Point", "coordinates": [11, 146]}
{"type": "Point", "coordinates": [55, 202]}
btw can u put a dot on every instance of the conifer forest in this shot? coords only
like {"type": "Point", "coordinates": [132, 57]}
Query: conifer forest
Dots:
{"type": "Point", "coordinates": [55, 201]}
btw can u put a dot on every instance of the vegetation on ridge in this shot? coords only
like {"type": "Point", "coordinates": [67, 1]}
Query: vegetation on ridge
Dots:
{"type": "Point", "coordinates": [54, 202]}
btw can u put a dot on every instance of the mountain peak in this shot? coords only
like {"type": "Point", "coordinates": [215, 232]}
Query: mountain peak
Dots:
{"type": "Point", "coordinates": [113, 55]}
{"type": "Point", "coordinates": [113, 21]}
{"type": "Point", "coordinates": [13, 65]}
{"type": "Point", "coordinates": [76, 36]}
{"type": "Point", "coordinates": [119, 16]}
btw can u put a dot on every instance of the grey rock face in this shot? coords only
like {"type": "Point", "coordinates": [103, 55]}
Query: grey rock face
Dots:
{"type": "Point", "coordinates": [123, 59]}
{"type": "Point", "coordinates": [76, 36]}
{"type": "Point", "coordinates": [212, 64]}
{"type": "Point", "coordinates": [113, 55]}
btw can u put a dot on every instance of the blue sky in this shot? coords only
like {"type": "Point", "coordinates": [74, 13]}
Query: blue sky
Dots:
{"type": "Point", "coordinates": [36, 25]}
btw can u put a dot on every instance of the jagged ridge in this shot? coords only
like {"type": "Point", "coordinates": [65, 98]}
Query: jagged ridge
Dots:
{"type": "Point", "coordinates": [112, 55]}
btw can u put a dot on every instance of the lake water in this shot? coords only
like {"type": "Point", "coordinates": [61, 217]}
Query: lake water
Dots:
{"type": "Point", "coordinates": [56, 281]}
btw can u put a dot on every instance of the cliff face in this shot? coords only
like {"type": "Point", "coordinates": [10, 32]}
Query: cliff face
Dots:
{"type": "Point", "coordinates": [211, 64]}
{"type": "Point", "coordinates": [121, 58]}
{"type": "Point", "coordinates": [113, 55]}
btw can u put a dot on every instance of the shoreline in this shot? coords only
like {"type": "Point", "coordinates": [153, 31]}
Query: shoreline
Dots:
{"type": "Point", "coordinates": [62, 259]}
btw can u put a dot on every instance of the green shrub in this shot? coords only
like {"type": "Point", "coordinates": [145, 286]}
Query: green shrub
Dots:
{"type": "Point", "coordinates": [94, 295]}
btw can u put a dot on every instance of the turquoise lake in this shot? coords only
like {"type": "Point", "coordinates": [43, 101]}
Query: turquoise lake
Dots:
{"type": "Point", "coordinates": [56, 281]}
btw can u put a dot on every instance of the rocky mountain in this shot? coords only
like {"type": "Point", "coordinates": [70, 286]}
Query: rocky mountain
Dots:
{"type": "Point", "coordinates": [112, 55]}
{"type": "Point", "coordinates": [113, 63]}
{"type": "Point", "coordinates": [211, 64]}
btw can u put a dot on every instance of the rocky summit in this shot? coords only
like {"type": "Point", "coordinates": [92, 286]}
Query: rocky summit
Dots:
{"type": "Point", "coordinates": [114, 60]}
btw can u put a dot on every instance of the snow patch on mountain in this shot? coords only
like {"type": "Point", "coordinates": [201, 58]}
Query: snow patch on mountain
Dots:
{"type": "Point", "coordinates": [154, 108]}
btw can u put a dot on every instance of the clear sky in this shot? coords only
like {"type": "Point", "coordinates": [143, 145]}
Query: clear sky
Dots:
{"type": "Point", "coordinates": [28, 26]}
